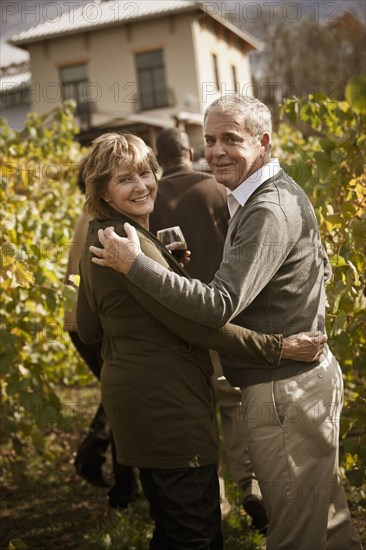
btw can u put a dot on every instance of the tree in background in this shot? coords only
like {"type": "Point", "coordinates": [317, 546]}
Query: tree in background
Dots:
{"type": "Point", "coordinates": [306, 56]}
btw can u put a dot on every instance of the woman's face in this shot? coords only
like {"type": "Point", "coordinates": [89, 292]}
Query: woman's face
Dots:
{"type": "Point", "coordinates": [132, 193]}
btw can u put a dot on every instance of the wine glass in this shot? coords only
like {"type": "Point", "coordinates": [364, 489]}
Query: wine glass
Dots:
{"type": "Point", "coordinates": [173, 239]}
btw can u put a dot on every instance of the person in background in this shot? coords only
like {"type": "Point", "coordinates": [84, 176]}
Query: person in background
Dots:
{"type": "Point", "coordinates": [272, 277]}
{"type": "Point", "coordinates": [198, 204]}
{"type": "Point", "coordinates": [156, 375]}
{"type": "Point", "coordinates": [193, 200]}
{"type": "Point", "coordinates": [91, 452]}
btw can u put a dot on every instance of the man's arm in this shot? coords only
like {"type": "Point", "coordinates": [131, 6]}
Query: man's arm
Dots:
{"type": "Point", "coordinates": [258, 250]}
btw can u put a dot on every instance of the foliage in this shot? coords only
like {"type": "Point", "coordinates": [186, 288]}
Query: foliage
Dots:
{"type": "Point", "coordinates": [329, 164]}
{"type": "Point", "coordinates": [356, 92]}
{"type": "Point", "coordinates": [39, 205]}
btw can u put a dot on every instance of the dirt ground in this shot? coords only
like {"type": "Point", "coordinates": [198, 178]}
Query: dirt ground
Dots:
{"type": "Point", "coordinates": [57, 510]}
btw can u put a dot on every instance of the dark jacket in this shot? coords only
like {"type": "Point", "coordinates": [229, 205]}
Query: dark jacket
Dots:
{"type": "Point", "coordinates": [155, 384]}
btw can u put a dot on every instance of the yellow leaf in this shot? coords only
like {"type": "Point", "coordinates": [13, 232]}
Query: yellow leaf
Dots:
{"type": "Point", "coordinates": [22, 276]}
{"type": "Point", "coordinates": [75, 279]}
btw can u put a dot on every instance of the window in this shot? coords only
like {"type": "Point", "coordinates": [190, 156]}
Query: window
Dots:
{"type": "Point", "coordinates": [74, 84]}
{"type": "Point", "coordinates": [235, 79]}
{"type": "Point", "coordinates": [216, 70]}
{"type": "Point", "coordinates": [153, 90]}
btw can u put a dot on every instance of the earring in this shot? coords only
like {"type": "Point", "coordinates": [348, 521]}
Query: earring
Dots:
{"type": "Point", "coordinates": [107, 200]}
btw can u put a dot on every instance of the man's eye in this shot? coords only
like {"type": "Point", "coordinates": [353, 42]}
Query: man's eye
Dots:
{"type": "Point", "coordinates": [145, 173]}
{"type": "Point", "coordinates": [209, 141]}
{"type": "Point", "coordinates": [231, 140]}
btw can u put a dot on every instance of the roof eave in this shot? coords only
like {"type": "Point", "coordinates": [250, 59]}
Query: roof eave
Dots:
{"type": "Point", "coordinates": [253, 42]}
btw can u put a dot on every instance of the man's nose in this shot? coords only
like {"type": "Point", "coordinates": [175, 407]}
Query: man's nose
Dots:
{"type": "Point", "coordinates": [218, 149]}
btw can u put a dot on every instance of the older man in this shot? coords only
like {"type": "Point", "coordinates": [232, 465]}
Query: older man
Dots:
{"type": "Point", "coordinates": [271, 279]}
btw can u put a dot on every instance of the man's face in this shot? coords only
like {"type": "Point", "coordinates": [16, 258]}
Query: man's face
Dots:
{"type": "Point", "coordinates": [232, 153]}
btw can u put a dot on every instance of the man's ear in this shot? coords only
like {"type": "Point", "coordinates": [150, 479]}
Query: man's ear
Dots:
{"type": "Point", "coordinates": [265, 142]}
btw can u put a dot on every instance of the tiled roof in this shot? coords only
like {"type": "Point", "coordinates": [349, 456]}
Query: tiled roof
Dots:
{"type": "Point", "coordinates": [115, 12]}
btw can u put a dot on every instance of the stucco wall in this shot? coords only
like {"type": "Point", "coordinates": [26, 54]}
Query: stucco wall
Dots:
{"type": "Point", "coordinates": [111, 69]}
{"type": "Point", "coordinates": [207, 42]}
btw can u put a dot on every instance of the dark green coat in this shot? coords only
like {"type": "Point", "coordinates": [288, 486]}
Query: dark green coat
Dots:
{"type": "Point", "coordinates": [155, 381]}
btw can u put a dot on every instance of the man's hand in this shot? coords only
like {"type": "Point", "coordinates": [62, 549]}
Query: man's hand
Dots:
{"type": "Point", "coordinates": [305, 346]}
{"type": "Point", "coordinates": [118, 252]}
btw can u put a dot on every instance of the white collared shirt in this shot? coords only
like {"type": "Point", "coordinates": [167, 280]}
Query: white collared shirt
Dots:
{"type": "Point", "coordinates": [241, 194]}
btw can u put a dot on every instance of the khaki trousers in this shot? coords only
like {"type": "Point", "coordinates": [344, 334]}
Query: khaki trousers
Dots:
{"type": "Point", "coordinates": [292, 432]}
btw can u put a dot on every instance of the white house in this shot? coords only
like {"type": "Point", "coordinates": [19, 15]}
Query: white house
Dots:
{"type": "Point", "coordinates": [137, 65]}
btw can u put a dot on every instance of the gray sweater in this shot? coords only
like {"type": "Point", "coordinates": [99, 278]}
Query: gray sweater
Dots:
{"type": "Point", "coordinates": [271, 278]}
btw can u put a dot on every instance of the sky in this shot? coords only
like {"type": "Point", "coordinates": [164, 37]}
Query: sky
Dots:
{"type": "Point", "coordinates": [19, 15]}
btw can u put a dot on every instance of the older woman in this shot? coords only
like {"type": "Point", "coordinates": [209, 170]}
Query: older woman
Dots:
{"type": "Point", "coordinates": [156, 373]}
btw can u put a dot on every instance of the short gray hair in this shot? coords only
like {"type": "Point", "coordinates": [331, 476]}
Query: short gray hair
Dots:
{"type": "Point", "coordinates": [256, 115]}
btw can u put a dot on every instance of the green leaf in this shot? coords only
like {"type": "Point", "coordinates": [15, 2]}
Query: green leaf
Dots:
{"type": "Point", "coordinates": [69, 294]}
{"type": "Point", "coordinates": [358, 227]}
{"type": "Point", "coordinates": [355, 273]}
{"type": "Point", "coordinates": [291, 110]}
{"type": "Point", "coordinates": [17, 544]}
{"type": "Point", "coordinates": [337, 261]}
{"type": "Point", "coordinates": [340, 323]}
{"type": "Point", "coordinates": [75, 279]}
{"type": "Point", "coordinates": [356, 93]}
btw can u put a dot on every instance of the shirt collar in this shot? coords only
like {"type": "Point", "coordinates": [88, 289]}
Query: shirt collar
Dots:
{"type": "Point", "coordinates": [241, 194]}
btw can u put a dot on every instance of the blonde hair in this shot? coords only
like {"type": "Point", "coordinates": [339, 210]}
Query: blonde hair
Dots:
{"type": "Point", "coordinates": [108, 152]}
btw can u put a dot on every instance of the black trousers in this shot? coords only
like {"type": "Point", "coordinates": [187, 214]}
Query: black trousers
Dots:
{"type": "Point", "coordinates": [185, 505]}
{"type": "Point", "coordinates": [91, 451]}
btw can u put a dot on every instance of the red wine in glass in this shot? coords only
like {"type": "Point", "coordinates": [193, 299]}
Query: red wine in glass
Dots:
{"type": "Point", "coordinates": [173, 239]}
{"type": "Point", "coordinates": [179, 254]}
